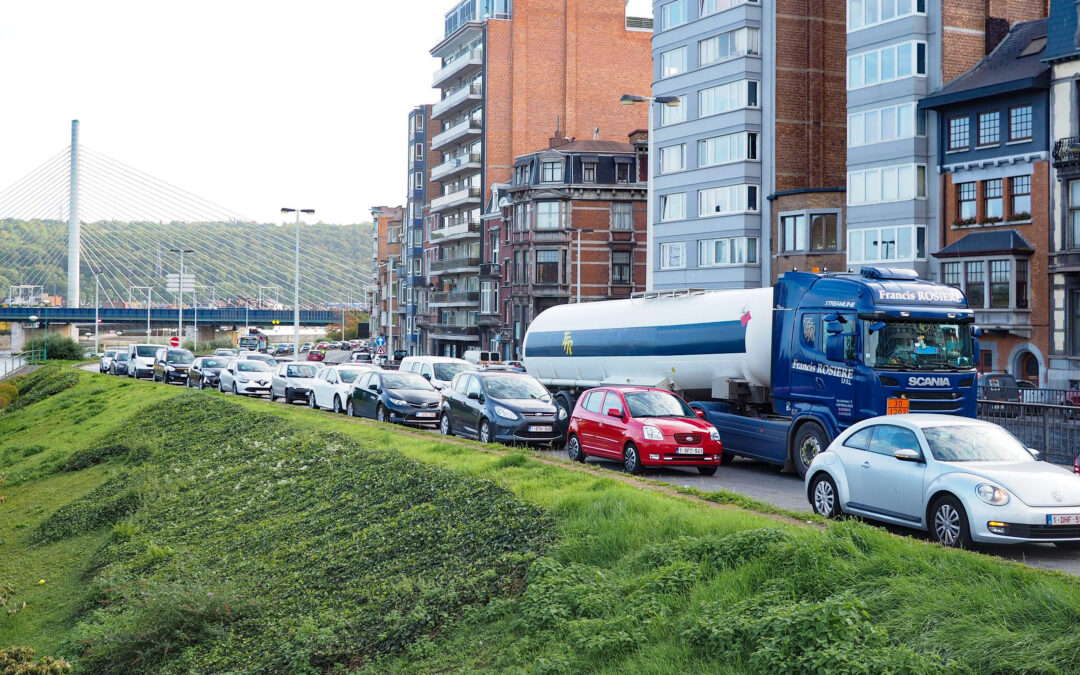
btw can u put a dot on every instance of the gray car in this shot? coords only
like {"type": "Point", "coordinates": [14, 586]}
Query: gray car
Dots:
{"type": "Point", "coordinates": [292, 381]}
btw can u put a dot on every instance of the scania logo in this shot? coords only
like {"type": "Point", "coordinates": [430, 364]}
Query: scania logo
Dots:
{"type": "Point", "coordinates": [928, 382]}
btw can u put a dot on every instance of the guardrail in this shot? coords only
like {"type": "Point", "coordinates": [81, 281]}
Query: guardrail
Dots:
{"type": "Point", "coordinates": [1053, 430]}
{"type": "Point", "coordinates": [9, 364]}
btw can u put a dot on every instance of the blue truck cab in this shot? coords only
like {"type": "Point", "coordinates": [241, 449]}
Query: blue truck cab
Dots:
{"type": "Point", "coordinates": [847, 347]}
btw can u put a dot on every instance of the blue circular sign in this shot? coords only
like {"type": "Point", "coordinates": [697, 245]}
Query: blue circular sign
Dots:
{"type": "Point", "coordinates": [380, 341]}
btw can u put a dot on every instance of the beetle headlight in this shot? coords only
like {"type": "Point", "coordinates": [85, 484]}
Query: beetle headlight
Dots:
{"type": "Point", "coordinates": [652, 433]}
{"type": "Point", "coordinates": [714, 434]}
{"type": "Point", "coordinates": [992, 494]}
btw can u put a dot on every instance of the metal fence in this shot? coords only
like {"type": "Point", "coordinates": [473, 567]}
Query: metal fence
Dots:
{"type": "Point", "coordinates": [9, 364]}
{"type": "Point", "coordinates": [1045, 419]}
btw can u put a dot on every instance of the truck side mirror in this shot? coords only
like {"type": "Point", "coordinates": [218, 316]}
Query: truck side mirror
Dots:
{"type": "Point", "coordinates": [834, 328]}
{"type": "Point", "coordinates": [834, 348]}
{"type": "Point", "coordinates": [876, 326]}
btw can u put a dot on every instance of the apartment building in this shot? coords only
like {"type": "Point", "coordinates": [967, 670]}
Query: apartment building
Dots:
{"type": "Point", "coordinates": [388, 225]}
{"type": "Point", "coordinates": [509, 73]}
{"type": "Point", "coordinates": [1063, 55]}
{"type": "Point", "coordinates": [412, 284]}
{"type": "Point", "coordinates": [752, 145]}
{"type": "Point", "coordinates": [993, 157]}
{"type": "Point", "coordinates": [571, 228]}
{"type": "Point", "coordinates": [898, 52]}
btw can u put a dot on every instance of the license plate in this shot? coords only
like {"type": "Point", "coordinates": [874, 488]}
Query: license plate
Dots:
{"type": "Point", "coordinates": [540, 427]}
{"type": "Point", "coordinates": [690, 451]}
{"type": "Point", "coordinates": [425, 414]}
{"type": "Point", "coordinates": [898, 406]}
{"type": "Point", "coordinates": [1064, 519]}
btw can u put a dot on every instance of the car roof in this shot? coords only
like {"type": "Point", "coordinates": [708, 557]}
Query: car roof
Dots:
{"type": "Point", "coordinates": [925, 420]}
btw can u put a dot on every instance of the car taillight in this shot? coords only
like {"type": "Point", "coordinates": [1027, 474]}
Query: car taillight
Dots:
{"type": "Point", "coordinates": [1076, 465]}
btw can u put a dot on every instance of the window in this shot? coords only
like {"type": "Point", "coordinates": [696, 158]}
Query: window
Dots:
{"type": "Point", "coordinates": [673, 207]}
{"type": "Point", "coordinates": [727, 251]}
{"type": "Point", "coordinates": [727, 199]}
{"type": "Point", "coordinates": [551, 172]}
{"type": "Point", "coordinates": [988, 128]}
{"type": "Point", "coordinates": [593, 401]}
{"type": "Point", "coordinates": [673, 255]}
{"type": "Point", "coordinates": [882, 124]}
{"type": "Point", "coordinates": [824, 232]}
{"type": "Point", "coordinates": [888, 439]}
{"type": "Point", "coordinates": [950, 274]}
{"type": "Point", "coordinates": [886, 184]}
{"type": "Point", "coordinates": [486, 304]}
{"type": "Point", "coordinates": [673, 114]}
{"type": "Point", "coordinates": [418, 123]}
{"type": "Point", "coordinates": [860, 440]}
{"type": "Point", "coordinates": [673, 158]}
{"type": "Point", "coordinates": [727, 97]}
{"type": "Point", "coordinates": [888, 63]}
{"type": "Point", "coordinates": [622, 172]}
{"type": "Point", "coordinates": [1000, 280]}
{"type": "Point", "coordinates": [1020, 189]}
{"type": "Point", "coordinates": [865, 13]}
{"type": "Point", "coordinates": [959, 133]}
{"type": "Point", "coordinates": [418, 152]}
{"type": "Point", "coordinates": [793, 233]}
{"type": "Point", "coordinates": [521, 217]}
{"type": "Point", "coordinates": [1020, 123]}
{"type": "Point", "coordinates": [621, 264]}
{"type": "Point", "coordinates": [622, 215]}
{"type": "Point", "coordinates": [549, 215]}
{"type": "Point", "coordinates": [992, 201]}
{"type": "Point", "coordinates": [588, 172]}
{"type": "Point", "coordinates": [975, 283]}
{"type": "Point", "coordinates": [965, 195]}
{"type": "Point", "coordinates": [1074, 215]}
{"type": "Point", "coordinates": [673, 14]}
{"type": "Point", "coordinates": [901, 243]}
{"type": "Point", "coordinates": [547, 266]}
{"type": "Point", "coordinates": [673, 62]}
{"type": "Point", "coordinates": [726, 46]}
{"type": "Point", "coordinates": [713, 6]}
{"type": "Point", "coordinates": [1021, 284]}
{"type": "Point", "coordinates": [418, 180]}
{"type": "Point", "coordinates": [809, 232]}
{"type": "Point", "coordinates": [727, 148]}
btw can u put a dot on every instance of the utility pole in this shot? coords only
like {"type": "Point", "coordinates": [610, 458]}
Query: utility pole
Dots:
{"type": "Point", "coordinates": [180, 293]}
{"type": "Point", "coordinates": [296, 280]}
{"type": "Point", "coordinates": [97, 306]}
{"type": "Point", "coordinates": [74, 250]}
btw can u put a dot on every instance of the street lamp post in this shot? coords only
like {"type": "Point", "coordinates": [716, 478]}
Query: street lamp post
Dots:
{"type": "Point", "coordinates": [296, 280]}
{"type": "Point", "coordinates": [579, 233]}
{"type": "Point", "coordinates": [33, 318]}
{"type": "Point", "coordinates": [180, 293]}
{"type": "Point", "coordinates": [97, 306]}
{"type": "Point", "coordinates": [650, 217]}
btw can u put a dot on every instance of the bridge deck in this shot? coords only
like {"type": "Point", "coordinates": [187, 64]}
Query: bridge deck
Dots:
{"type": "Point", "coordinates": [225, 316]}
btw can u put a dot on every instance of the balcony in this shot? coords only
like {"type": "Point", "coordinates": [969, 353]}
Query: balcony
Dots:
{"type": "Point", "coordinates": [446, 107]}
{"type": "Point", "coordinates": [460, 68]}
{"type": "Point", "coordinates": [452, 167]}
{"type": "Point", "coordinates": [467, 128]}
{"type": "Point", "coordinates": [452, 331]}
{"type": "Point", "coordinates": [455, 265]}
{"type": "Point", "coordinates": [447, 298]}
{"type": "Point", "coordinates": [469, 195]}
{"type": "Point", "coordinates": [453, 232]}
{"type": "Point", "coordinates": [1067, 152]}
{"type": "Point", "coordinates": [488, 270]}
{"type": "Point", "coordinates": [489, 321]}
{"type": "Point", "coordinates": [1005, 319]}
{"type": "Point", "coordinates": [541, 290]}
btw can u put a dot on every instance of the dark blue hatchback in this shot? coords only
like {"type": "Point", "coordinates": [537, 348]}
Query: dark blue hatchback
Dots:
{"type": "Point", "coordinates": [500, 406]}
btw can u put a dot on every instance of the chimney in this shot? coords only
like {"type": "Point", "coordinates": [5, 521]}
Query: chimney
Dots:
{"type": "Point", "coordinates": [596, 133]}
{"type": "Point", "coordinates": [557, 140]}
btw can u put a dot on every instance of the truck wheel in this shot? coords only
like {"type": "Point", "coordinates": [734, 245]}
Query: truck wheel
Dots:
{"type": "Point", "coordinates": [573, 449]}
{"type": "Point", "coordinates": [632, 460]}
{"type": "Point", "coordinates": [809, 442]}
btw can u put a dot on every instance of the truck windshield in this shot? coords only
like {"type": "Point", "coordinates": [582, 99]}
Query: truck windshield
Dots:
{"type": "Point", "coordinates": [910, 345]}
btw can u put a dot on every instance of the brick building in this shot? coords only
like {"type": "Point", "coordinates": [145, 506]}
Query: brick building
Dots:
{"type": "Point", "coordinates": [570, 228]}
{"type": "Point", "coordinates": [388, 222]}
{"type": "Point", "coordinates": [510, 72]}
{"type": "Point", "coordinates": [993, 158]}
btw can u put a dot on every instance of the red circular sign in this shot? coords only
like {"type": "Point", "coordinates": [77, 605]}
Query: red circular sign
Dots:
{"type": "Point", "coordinates": [174, 342]}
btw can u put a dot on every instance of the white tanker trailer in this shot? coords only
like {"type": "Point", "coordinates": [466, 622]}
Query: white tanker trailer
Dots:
{"type": "Point", "coordinates": [780, 371]}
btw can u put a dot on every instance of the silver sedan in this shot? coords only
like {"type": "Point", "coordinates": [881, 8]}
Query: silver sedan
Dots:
{"type": "Point", "coordinates": [961, 480]}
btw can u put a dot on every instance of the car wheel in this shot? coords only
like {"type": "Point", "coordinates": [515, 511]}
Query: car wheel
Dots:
{"type": "Point", "coordinates": [235, 391]}
{"type": "Point", "coordinates": [823, 496]}
{"type": "Point", "coordinates": [949, 524]}
{"type": "Point", "coordinates": [380, 413]}
{"type": "Point", "coordinates": [1068, 545]}
{"type": "Point", "coordinates": [573, 449]}
{"type": "Point", "coordinates": [337, 405]}
{"type": "Point", "coordinates": [726, 458]}
{"type": "Point", "coordinates": [809, 442]}
{"type": "Point", "coordinates": [632, 460]}
{"type": "Point", "coordinates": [273, 396]}
{"type": "Point", "coordinates": [202, 383]}
{"type": "Point", "coordinates": [444, 425]}
{"type": "Point", "coordinates": [221, 387]}
{"type": "Point", "coordinates": [485, 431]}
{"type": "Point", "coordinates": [707, 470]}
{"type": "Point", "coordinates": [349, 409]}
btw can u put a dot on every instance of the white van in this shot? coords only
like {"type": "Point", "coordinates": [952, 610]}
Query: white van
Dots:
{"type": "Point", "coordinates": [479, 357]}
{"type": "Point", "coordinates": [141, 360]}
{"type": "Point", "coordinates": [438, 370]}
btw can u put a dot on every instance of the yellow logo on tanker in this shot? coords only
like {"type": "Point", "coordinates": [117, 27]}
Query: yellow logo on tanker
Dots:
{"type": "Point", "coordinates": [568, 343]}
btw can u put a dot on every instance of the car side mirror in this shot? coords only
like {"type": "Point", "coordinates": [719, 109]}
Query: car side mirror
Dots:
{"type": "Point", "coordinates": [614, 412]}
{"type": "Point", "coordinates": [907, 455]}
{"type": "Point", "coordinates": [427, 376]}
{"type": "Point", "coordinates": [699, 413]}
{"type": "Point", "coordinates": [1034, 453]}
{"type": "Point", "coordinates": [373, 387]}
{"type": "Point", "coordinates": [474, 395]}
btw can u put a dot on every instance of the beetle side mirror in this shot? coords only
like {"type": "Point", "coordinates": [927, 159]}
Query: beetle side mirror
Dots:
{"type": "Point", "coordinates": [906, 455]}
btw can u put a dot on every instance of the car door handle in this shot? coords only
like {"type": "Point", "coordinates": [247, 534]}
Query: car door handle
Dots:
{"type": "Point", "coordinates": [866, 465]}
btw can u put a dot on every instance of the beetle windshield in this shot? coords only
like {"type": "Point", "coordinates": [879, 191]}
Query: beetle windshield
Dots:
{"type": "Point", "coordinates": [656, 404]}
{"type": "Point", "coordinates": [909, 345]}
{"type": "Point", "coordinates": [975, 443]}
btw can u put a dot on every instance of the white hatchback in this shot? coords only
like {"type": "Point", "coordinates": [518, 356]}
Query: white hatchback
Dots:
{"type": "Point", "coordinates": [332, 386]}
{"type": "Point", "coordinates": [960, 479]}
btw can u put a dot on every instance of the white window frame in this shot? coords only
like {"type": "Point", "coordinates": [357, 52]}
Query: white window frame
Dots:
{"type": "Point", "coordinates": [667, 152]}
{"type": "Point", "coordinates": [738, 251]}
{"type": "Point", "coordinates": [885, 184]}
{"type": "Point", "coordinates": [622, 222]}
{"type": "Point", "coordinates": [737, 92]}
{"type": "Point", "coordinates": [539, 214]}
{"type": "Point", "coordinates": [856, 64]}
{"type": "Point", "coordinates": [744, 41]}
{"type": "Point", "coordinates": [728, 199]}
{"type": "Point", "coordinates": [710, 7]}
{"type": "Point", "coordinates": [670, 68]}
{"type": "Point", "coordinates": [738, 146]}
{"type": "Point", "coordinates": [856, 12]}
{"type": "Point", "coordinates": [856, 240]}
{"type": "Point", "coordinates": [673, 114]}
{"type": "Point", "coordinates": [859, 122]}
{"type": "Point", "coordinates": [558, 171]}
{"type": "Point", "coordinates": [668, 19]}
{"type": "Point", "coordinates": [666, 251]}
{"type": "Point", "coordinates": [672, 207]}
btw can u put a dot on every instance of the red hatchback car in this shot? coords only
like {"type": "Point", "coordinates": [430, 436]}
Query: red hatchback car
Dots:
{"type": "Point", "coordinates": [642, 427]}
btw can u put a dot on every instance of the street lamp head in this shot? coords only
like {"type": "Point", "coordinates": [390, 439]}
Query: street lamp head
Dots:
{"type": "Point", "coordinates": [307, 210]}
{"type": "Point", "coordinates": [670, 101]}
{"type": "Point", "coordinates": [32, 318]}
{"type": "Point", "coordinates": [287, 210]}
{"type": "Point", "coordinates": [631, 99]}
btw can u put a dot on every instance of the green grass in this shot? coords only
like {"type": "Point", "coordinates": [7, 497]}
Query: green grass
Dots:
{"type": "Point", "coordinates": [628, 579]}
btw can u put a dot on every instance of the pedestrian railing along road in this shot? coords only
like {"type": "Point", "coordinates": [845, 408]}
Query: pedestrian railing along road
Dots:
{"type": "Point", "coordinates": [1051, 428]}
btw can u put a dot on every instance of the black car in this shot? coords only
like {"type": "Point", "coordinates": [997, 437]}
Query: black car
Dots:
{"type": "Point", "coordinates": [119, 364]}
{"type": "Point", "coordinates": [391, 396]}
{"type": "Point", "coordinates": [282, 349]}
{"type": "Point", "coordinates": [500, 406]}
{"type": "Point", "coordinates": [400, 354]}
{"type": "Point", "coordinates": [206, 371]}
{"type": "Point", "coordinates": [171, 365]}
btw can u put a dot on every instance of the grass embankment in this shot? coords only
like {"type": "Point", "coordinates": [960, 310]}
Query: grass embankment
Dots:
{"type": "Point", "coordinates": [322, 545]}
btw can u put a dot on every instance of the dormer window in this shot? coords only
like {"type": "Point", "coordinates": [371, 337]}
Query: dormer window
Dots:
{"type": "Point", "coordinates": [551, 172]}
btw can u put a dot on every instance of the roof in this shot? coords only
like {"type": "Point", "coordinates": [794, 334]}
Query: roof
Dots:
{"type": "Point", "coordinates": [605, 147]}
{"type": "Point", "coordinates": [987, 243]}
{"type": "Point", "coordinates": [1012, 66]}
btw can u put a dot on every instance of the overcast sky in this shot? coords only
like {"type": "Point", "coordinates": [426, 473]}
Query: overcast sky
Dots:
{"type": "Point", "coordinates": [253, 105]}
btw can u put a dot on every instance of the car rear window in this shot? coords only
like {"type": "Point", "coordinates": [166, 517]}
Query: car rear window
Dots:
{"type": "Point", "coordinates": [146, 351]}
{"type": "Point", "coordinates": [301, 371]}
{"type": "Point", "coordinates": [593, 401]}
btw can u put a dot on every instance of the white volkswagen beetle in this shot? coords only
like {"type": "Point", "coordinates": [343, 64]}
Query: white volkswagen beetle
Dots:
{"type": "Point", "coordinates": [960, 479]}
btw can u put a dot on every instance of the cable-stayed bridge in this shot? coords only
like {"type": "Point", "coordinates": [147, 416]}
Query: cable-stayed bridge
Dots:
{"type": "Point", "coordinates": [83, 225]}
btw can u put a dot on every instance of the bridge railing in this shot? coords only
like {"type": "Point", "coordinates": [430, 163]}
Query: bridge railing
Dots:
{"type": "Point", "coordinates": [10, 364]}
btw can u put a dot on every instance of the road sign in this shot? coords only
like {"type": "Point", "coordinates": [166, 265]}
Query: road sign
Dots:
{"type": "Point", "coordinates": [380, 350]}
{"type": "Point", "coordinates": [172, 283]}
{"type": "Point", "coordinates": [174, 341]}
{"type": "Point", "coordinates": [380, 342]}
